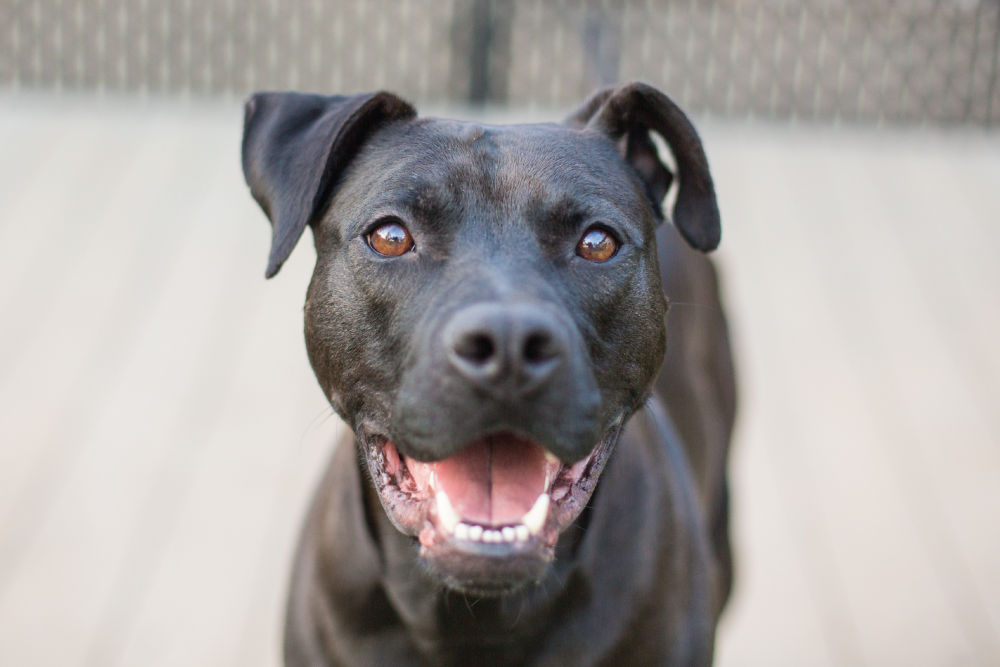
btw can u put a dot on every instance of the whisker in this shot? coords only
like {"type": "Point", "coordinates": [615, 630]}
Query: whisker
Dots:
{"type": "Point", "coordinates": [320, 419]}
{"type": "Point", "coordinates": [520, 608]}
{"type": "Point", "coordinates": [692, 304]}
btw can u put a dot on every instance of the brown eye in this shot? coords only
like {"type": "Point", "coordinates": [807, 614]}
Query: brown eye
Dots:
{"type": "Point", "coordinates": [390, 239]}
{"type": "Point", "coordinates": [597, 245]}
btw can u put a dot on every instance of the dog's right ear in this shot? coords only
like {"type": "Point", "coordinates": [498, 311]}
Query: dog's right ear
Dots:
{"type": "Point", "coordinates": [295, 146]}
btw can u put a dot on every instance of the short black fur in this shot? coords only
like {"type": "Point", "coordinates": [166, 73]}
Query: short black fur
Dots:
{"type": "Point", "coordinates": [495, 213]}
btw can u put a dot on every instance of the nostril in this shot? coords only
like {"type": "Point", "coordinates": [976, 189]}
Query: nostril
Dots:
{"type": "Point", "coordinates": [477, 348]}
{"type": "Point", "coordinates": [538, 348]}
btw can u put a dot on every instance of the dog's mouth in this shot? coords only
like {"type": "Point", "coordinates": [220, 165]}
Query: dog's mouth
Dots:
{"type": "Point", "coordinates": [488, 517]}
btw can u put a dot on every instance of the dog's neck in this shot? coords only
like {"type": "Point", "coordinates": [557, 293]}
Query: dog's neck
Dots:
{"type": "Point", "coordinates": [379, 599]}
{"type": "Point", "coordinates": [368, 593]}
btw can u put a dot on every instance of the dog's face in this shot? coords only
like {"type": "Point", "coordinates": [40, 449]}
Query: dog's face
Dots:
{"type": "Point", "coordinates": [486, 310]}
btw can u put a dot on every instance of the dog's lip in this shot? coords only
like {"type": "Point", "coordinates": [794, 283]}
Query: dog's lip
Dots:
{"type": "Point", "coordinates": [423, 510]}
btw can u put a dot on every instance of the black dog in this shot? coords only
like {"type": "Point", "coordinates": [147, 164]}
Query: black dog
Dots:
{"type": "Point", "coordinates": [528, 480]}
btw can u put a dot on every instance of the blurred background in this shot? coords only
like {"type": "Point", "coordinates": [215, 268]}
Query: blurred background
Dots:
{"type": "Point", "coordinates": [160, 429]}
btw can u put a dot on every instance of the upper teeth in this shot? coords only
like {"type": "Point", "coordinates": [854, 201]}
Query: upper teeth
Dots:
{"type": "Point", "coordinates": [531, 523]}
{"type": "Point", "coordinates": [535, 517]}
{"type": "Point", "coordinates": [446, 513]}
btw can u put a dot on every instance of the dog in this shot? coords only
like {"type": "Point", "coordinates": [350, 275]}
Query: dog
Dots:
{"type": "Point", "coordinates": [529, 478]}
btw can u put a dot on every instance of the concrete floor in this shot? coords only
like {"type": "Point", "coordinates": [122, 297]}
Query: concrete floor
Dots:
{"type": "Point", "coordinates": [160, 429]}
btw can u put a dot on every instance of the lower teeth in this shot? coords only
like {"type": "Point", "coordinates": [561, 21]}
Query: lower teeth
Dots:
{"type": "Point", "coordinates": [531, 523]}
{"type": "Point", "coordinates": [473, 533]}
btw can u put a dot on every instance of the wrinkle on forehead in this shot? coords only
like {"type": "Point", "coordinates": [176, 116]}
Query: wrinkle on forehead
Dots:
{"type": "Point", "coordinates": [526, 164]}
{"type": "Point", "coordinates": [444, 164]}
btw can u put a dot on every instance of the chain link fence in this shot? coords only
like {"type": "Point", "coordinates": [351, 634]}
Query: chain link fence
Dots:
{"type": "Point", "coordinates": [912, 61]}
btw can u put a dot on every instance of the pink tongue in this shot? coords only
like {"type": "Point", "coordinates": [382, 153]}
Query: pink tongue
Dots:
{"type": "Point", "coordinates": [495, 480]}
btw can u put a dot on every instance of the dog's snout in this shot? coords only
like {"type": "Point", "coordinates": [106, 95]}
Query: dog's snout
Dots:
{"type": "Point", "coordinates": [509, 348]}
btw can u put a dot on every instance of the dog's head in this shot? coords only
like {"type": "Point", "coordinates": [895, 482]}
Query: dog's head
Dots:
{"type": "Point", "coordinates": [486, 309]}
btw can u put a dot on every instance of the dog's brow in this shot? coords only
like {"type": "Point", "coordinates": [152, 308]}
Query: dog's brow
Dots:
{"type": "Point", "coordinates": [559, 215]}
{"type": "Point", "coordinates": [421, 201]}
{"type": "Point", "coordinates": [427, 200]}
{"type": "Point", "coordinates": [564, 215]}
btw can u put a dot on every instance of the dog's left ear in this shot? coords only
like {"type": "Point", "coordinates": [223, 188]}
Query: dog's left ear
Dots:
{"type": "Point", "coordinates": [295, 146]}
{"type": "Point", "coordinates": [626, 115]}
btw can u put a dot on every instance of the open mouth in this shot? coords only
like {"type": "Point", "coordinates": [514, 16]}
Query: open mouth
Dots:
{"type": "Point", "coordinates": [483, 513]}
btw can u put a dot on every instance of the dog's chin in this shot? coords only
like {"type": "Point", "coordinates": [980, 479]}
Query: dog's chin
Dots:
{"type": "Point", "coordinates": [487, 518]}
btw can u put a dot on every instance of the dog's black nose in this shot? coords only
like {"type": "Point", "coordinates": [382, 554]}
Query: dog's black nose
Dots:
{"type": "Point", "coordinates": [509, 348]}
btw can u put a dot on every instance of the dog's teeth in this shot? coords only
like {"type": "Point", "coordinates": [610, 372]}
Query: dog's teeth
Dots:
{"type": "Point", "coordinates": [462, 531]}
{"type": "Point", "coordinates": [522, 533]}
{"type": "Point", "coordinates": [556, 464]}
{"type": "Point", "coordinates": [508, 534]}
{"type": "Point", "coordinates": [432, 481]}
{"type": "Point", "coordinates": [447, 515]}
{"type": "Point", "coordinates": [492, 536]}
{"type": "Point", "coordinates": [535, 517]}
{"type": "Point", "coordinates": [476, 533]}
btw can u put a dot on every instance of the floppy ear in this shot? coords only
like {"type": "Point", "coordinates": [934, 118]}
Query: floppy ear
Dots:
{"type": "Point", "coordinates": [295, 146]}
{"type": "Point", "coordinates": [626, 115]}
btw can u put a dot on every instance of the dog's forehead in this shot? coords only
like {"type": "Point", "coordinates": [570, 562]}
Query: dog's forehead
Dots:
{"type": "Point", "coordinates": [488, 136]}
{"type": "Point", "coordinates": [502, 162]}
{"type": "Point", "coordinates": [537, 148]}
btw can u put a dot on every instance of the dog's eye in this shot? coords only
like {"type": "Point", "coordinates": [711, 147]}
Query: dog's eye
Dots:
{"type": "Point", "coordinates": [390, 238]}
{"type": "Point", "coordinates": [597, 245]}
